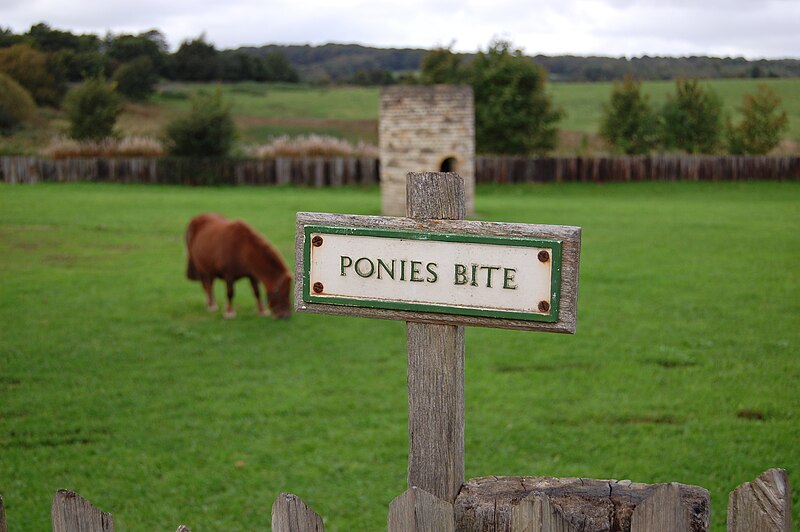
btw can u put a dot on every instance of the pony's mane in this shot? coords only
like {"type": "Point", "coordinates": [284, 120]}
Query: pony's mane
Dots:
{"type": "Point", "coordinates": [266, 250]}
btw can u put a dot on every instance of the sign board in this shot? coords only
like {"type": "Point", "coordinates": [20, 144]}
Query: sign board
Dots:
{"type": "Point", "coordinates": [434, 272]}
{"type": "Point", "coordinates": [446, 271]}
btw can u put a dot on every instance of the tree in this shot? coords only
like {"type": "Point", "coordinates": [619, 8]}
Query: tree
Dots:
{"type": "Point", "coordinates": [279, 68]}
{"type": "Point", "coordinates": [196, 60]}
{"type": "Point", "coordinates": [16, 104]}
{"type": "Point", "coordinates": [46, 39]}
{"type": "Point", "coordinates": [136, 79]}
{"type": "Point", "coordinates": [9, 38]}
{"type": "Point", "coordinates": [629, 122]}
{"type": "Point", "coordinates": [691, 120]}
{"type": "Point", "coordinates": [92, 109]}
{"type": "Point", "coordinates": [513, 113]}
{"type": "Point", "coordinates": [441, 65]}
{"type": "Point", "coordinates": [123, 49]}
{"type": "Point", "coordinates": [763, 123]}
{"type": "Point", "coordinates": [207, 130]}
{"type": "Point", "coordinates": [235, 66]}
{"type": "Point", "coordinates": [78, 66]}
{"type": "Point", "coordinates": [34, 70]}
{"type": "Point", "coordinates": [371, 78]}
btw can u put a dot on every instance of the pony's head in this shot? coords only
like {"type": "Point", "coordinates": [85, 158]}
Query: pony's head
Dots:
{"type": "Point", "coordinates": [278, 297]}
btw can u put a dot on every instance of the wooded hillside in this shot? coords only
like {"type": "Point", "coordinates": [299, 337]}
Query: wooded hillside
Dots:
{"type": "Point", "coordinates": [342, 62]}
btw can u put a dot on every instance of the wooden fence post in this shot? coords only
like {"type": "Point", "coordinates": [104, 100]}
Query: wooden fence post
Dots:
{"type": "Point", "coordinates": [534, 513]}
{"type": "Point", "coordinates": [291, 514]}
{"type": "Point", "coordinates": [416, 510]}
{"type": "Point", "coordinates": [663, 511]}
{"type": "Point", "coordinates": [72, 513]}
{"type": "Point", "coordinates": [435, 362]}
{"type": "Point", "coordinates": [764, 504]}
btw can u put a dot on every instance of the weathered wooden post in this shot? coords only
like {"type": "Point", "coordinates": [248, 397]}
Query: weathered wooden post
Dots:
{"type": "Point", "coordinates": [291, 514]}
{"type": "Point", "coordinates": [435, 362]}
{"type": "Point", "coordinates": [765, 504]}
{"type": "Point", "coordinates": [72, 513]}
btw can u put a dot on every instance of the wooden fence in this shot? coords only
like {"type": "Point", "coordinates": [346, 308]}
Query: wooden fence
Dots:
{"type": "Point", "coordinates": [313, 171]}
{"type": "Point", "coordinates": [319, 172]}
{"type": "Point", "coordinates": [517, 504]}
{"type": "Point", "coordinates": [635, 168]}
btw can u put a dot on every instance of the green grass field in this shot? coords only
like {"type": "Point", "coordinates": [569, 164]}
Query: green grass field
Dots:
{"type": "Point", "coordinates": [116, 382]}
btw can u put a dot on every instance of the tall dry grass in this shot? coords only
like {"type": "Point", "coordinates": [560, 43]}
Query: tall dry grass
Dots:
{"type": "Point", "coordinates": [64, 148]}
{"type": "Point", "coordinates": [312, 146]}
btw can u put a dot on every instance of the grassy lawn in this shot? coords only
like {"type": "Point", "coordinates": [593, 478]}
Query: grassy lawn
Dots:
{"type": "Point", "coordinates": [115, 381]}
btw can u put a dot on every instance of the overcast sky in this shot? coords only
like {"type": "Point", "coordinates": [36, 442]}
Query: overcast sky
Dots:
{"type": "Point", "coordinates": [750, 28]}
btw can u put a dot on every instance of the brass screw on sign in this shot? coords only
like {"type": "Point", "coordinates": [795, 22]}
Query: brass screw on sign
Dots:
{"type": "Point", "coordinates": [318, 288]}
{"type": "Point", "coordinates": [544, 256]}
{"type": "Point", "coordinates": [317, 241]}
{"type": "Point", "coordinates": [544, 306]}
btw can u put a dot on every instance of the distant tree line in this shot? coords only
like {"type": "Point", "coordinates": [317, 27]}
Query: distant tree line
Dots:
{"type": "Point", "coordinates": [352, 63]}
{"type": "Point", "coordinates": [347, 63]}
{"type": "Point", "coordinates": [577, 68]}
{"type": "Point", "coordinates": [45, 59]}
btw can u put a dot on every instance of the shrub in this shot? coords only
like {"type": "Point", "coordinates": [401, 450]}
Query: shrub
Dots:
{"type": "Point", "coordinates": [36, 71]}
{"type": "Point", "coordinates": [136, 79]}
{"type": "Point", "coordinates": [92, 109]}
{"type": "Point", "coordinates": [63, 148]}
{"type": "Point", "coordinates": [763, 123]}
{"type": "Point", "coordinates": [207, 130]}
{"type": "Point", "coordinates": [691, 120]}
{"type": "Point", "coordinates": [629, 122]}
{"type": "Point", "coordinates": [513, 112]}
{"type": "Point", "coordinates": [16, 104]}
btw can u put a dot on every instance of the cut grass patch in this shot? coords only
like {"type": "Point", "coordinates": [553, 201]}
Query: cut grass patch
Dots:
{"type": "Point", "coordinates": [115, 381]}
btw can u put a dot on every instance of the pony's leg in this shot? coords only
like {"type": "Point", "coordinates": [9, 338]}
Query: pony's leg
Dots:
{"type": "Point", "coordinates": [208, 287]}
{"type": "Point", "coordinates": [229, 312]}
{"type": "Point", "coordinates": [257, 292]}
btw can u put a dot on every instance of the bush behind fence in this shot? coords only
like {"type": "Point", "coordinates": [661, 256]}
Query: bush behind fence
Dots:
{"type": "Point", "coordinates": [320, 172]}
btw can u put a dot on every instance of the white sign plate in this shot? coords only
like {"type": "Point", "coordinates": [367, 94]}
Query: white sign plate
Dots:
{"type": "Point", "coordinates": [473, 275]}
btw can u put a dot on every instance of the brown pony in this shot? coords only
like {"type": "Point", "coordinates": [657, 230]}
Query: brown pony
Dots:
{"type": "Point", "coordinates": [230, 250]}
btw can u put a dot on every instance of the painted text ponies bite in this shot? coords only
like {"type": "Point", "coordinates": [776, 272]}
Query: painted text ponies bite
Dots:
{"type": "Point", "coordinates": [230, 250]}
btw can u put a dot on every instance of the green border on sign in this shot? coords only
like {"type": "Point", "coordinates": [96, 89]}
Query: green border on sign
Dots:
{"type": "Point", "coordinates": [555, 276]}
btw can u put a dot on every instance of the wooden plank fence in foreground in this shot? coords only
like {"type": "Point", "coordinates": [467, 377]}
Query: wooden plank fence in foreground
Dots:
{"type": "Point", "coordinates": [517, 504]}
{"type": "Point", "coordinates": [322, 172]}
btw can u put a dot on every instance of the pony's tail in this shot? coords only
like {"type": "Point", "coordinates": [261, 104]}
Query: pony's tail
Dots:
{"type": "Point", "coordinates": [191, 270]}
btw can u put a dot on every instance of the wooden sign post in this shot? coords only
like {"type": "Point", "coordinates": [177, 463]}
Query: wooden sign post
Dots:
{"type": "Point", "coordinates": [438, 273]}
